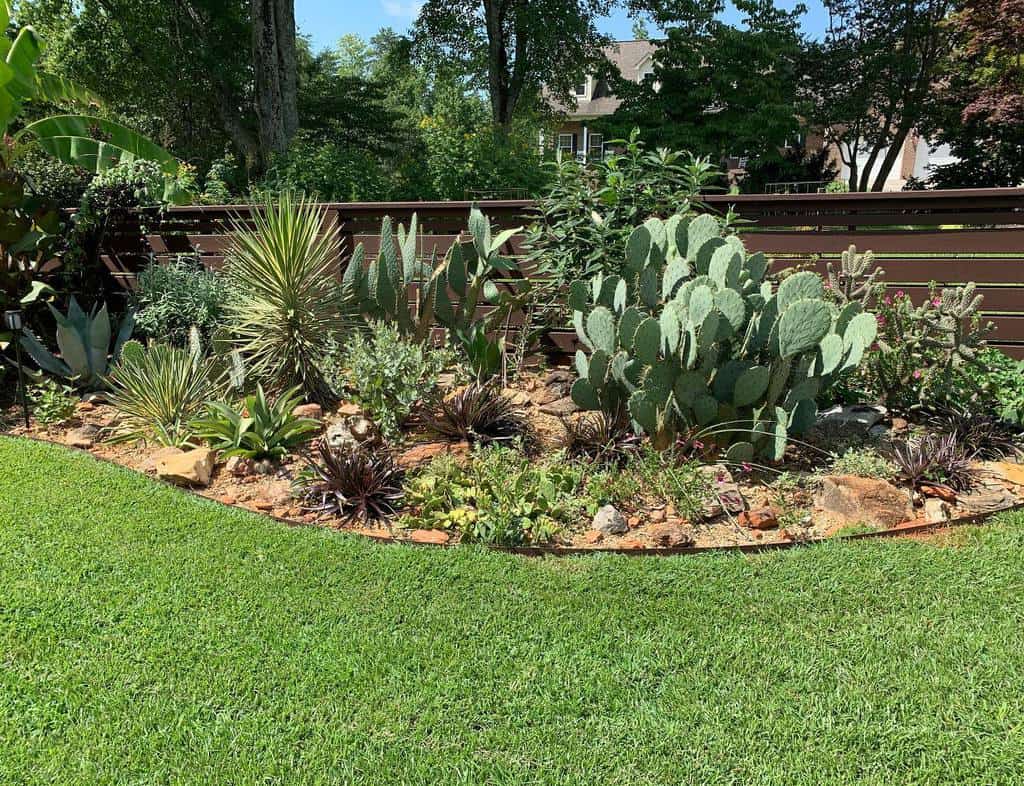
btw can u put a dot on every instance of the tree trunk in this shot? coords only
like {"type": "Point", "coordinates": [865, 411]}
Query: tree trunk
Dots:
{"type": "Point", "coordinates": [498, 82]}
{"type": "Point", "coordinates": [274, 67]}
{"type": "Point", "coordinates": [895, 150]}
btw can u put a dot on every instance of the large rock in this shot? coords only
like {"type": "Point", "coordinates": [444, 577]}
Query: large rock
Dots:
{"type": "Point", "coordinates": [191, 468]}
{"type": "Point", "coordinates": [670, 534]}
{"type": "Point", "coordinates": [424, 453]}
{"type": "Point", "coordinates": [864, 500]}
{"type": "Point", "coordinates": [936, 510]}
{"type": "Point", "coordinates": [560, 407]}
{"type": "Point", "coordinates": [82, 437]}
{"type": "Point", "coordinates": [724, 495]}
{"type": "Point", "coordinates": [314, 411]}
{"type": "Point", "coordinates": [862, 415]}
{"type": "Point", "coordinates": [1005, 471]}
{"type": "Point", "coordinates": [608, 521]}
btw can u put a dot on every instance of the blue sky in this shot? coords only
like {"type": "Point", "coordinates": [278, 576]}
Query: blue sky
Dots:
{"type": "Point", "coordinates": [325, 21]}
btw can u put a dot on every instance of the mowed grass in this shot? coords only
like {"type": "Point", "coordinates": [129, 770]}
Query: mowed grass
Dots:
{"type": "Point", "coordinates": [150, 637]}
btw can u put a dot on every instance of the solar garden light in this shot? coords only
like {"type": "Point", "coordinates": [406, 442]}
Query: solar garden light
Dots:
{"type": "Point", "coordinates": [13, 322]}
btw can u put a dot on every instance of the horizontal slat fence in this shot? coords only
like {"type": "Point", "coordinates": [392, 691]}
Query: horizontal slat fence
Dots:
{"type": "Point", "coordinates": [949, 237]}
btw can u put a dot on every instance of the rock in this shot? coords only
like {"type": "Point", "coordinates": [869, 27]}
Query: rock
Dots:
{"type": "Point", "coordinates": [879, 430]}
{"type": "Point", "coordinates": [421, 454]}
{"type": "Point", "coordinates": [724, 494]}
{"type": "Point", "coordinates": [191, 468]}
{"type": "Point", "coordinates": [670, 535]}
{"type": "Point", "coordinates": [363, 429]}
{"type": "Point", "coordinates": [435, 536]}
{"type": "Point", "coordinates": [759, 518]}
{"type": "Point", "coordinates": [559, 407]}
{"type": "Point", "coordinates": [864, 500]}
{"type": "Point", "coordinates": [149, 465]}
{"type": "Point", "coordinates": [546, 395]}
{"type": "Point", "coordinates": [987, 500]}
{"type": "Point", "coordinates": [944, 493]}
{"type": "Point", "coordinates": [558, 376]}
{"type": "Point", "coordinates": [82, 437]}
{"type": "Point", "coordinates": [900, 426]}
{"type": "Point", "coordinates": [376, 534]}
{"type": "Point", "coordinates": [593, 536]}
{"type": "Point", "coordinates": [348, 409]}
{"type": "Point", "coordinates": [314, 411]}
{"type": "Point", "coordinates": [936, 510]}
{"type": "Point", "coordinates": [633, 522]}
{"type": "Point", "coordinates": [518, 397]}
{"type": "Point", "coordinates": [240, 467]}
{"type": "Point", "coordinates": [657, 515]}
{"type": "Point", "coordinates": [264, 467]}
{"type": "Point", "coordinates": [350, 433]}
{"type": "Point", "coordinates": [608, 521]}
{"type": "Point", "coordinates": [85, 406]}
{"type": "Point", "coordinates": [550, 431]}
{"type": "Point", "coordinates": [263, 504]}
{"type": "Point", "coordinates": [863, 415]}
{"type": "Point", "coordinates": [1004, 471]}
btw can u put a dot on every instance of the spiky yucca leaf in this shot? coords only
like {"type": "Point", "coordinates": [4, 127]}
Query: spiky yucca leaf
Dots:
{"type": "Point", "coordinates": [287, 307]}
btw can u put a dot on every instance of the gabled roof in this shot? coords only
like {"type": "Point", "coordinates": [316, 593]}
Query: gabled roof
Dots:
{"type": "Point", "coordinates": [629, 57]}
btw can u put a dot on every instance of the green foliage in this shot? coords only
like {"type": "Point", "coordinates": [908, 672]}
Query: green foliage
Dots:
{"type": "Point", "coordinates": [286, 305]}
{"type": "Point", "coordinates": [386, 373]}
{"type": "Point", "coordinates": [160, 390]}
{"type": "Point", "coordinates": [84, 343]}
{"type": "Point", "coordinates": [256, 429]}
{"type": "Point", "coordinates": [589, 209]}
{"type": "Point", "coordinates": [52, 403]}
{"type": "Point", "coordinates": [693, 336]}
{"type": "Point", "coordinates": [1001, 380]}
{"type": "Point", "coordinates": [470, 269]}
{"type": "Point", "coordinates": [176, 296]}
{"type": "Point", "coordinates": [353, 484]}
{"type": "Point", "coordinates": [497, 496]}
{"type": "Point", "coordinates": [865, 463]}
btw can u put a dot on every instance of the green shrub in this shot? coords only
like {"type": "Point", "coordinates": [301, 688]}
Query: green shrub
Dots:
{"type": "Point", "coordinates": [176, 296]}
{"type": "Point", "coordinates": [52, 403]}
{"type": "Point", "coordinates": [591, 208]}
{"type": "Point", "coordinates": [256, 429]}
{"type": "Point", "coordinates": [160, 390]}
{"type": "Point", "coordinates": [497, 496]}
{"type": "Point", "coordinates": [1001, 381]}
{"type": "Point", "coordinates": [865, 463]}
{"type": "Point", "coordinates": [385, 373]}
{"type": "Point", "coordinates": [693, 336]}
{"type": "Point", "coordinates": [285, 305]}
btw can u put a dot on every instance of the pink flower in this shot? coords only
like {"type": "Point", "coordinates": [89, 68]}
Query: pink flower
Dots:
{"type": "Point", "coordinates": [880, 320]}
{"type": "Point", "coordinates": [887, 300]}
{"type": "Point", "coordinates": [698, 445]}
{"type": "Point", "coordinates": [900, 293]}
{"type": "Point", "coordinates": [936, 301]}
{"type": "Point", "coordinates": [746, 466]}
{"type": "Point", "coordinates": [720, 478]}
{"type": "Point", "coordinates": [917, 373]}
{"type": "Point", "coordinates": [828, 285]}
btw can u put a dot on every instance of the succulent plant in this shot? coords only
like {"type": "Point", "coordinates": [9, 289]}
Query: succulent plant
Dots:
{"type": "Point", "coordinates": [607, 438]}
{"type": "Point", "coordinates": [84, 343]}
{"type": "Point", "coordinates": [940, 459]}
{"type": "Point", "coordinates": [479, 413]}
{"type": "Point", "coordinates": [448, 293]}
{"type": "Point", "coordinates": [353, 484]}
{"type": "Point", "coordinates": [694, 335]}
{"type": "Point", "coordinates": [858, 279]}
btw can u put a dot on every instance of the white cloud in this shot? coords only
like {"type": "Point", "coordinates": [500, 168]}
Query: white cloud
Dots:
{"type": "Point", "coordinates": [403, 10]}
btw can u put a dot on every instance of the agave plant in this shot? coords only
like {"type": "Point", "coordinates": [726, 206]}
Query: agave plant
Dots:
{"type": "Point", "coordinates": [84, 343]}
{"type": "Point", "coordinates": [257, 429]}
{"type": "Point", "coordinates": [159, 390]}
{"type": "Point", "coordinates": [353, 484]}
{"type": "Point", "coordinates": [287, 307]}
{"type": "Point", "coordinates": [479, 413]}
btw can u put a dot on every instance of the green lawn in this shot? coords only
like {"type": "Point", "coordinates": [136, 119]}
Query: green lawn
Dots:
{"type": "Point", "coordinates": [149, 637]}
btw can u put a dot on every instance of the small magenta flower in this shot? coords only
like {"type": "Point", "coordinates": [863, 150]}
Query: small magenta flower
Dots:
{"type": "Point", "coordinates": [746, 466]}
{"type": "Point", "coordinates": [900, 293]}
{"type": "Point", "coordinates": [880, 319]}
{"type": "Point", "coordinates": [828, 285]}
{"type": "Point", "coordinates": [936, 301]}
{"type": "Point", "coordinates": [887, 300]}
{"type": "Point", "coordinates": [917, 373]}
{"type": "Point", "coordinates": [698, 445]}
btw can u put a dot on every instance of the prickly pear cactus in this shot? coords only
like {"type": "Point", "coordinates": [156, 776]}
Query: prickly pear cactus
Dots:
{"type": "Point", "coordinates": [694, 336]}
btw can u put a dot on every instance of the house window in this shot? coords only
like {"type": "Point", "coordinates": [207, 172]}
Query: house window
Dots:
{"type": "Point", "coordinates": [596, 144]}
{"type": "Point", "coordinates": [566, 142]}
{"type": "Point", "coordinates": [580, 90]}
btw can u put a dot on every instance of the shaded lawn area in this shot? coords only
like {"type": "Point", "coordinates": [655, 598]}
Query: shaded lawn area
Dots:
{"type": "Point", "coordinates": [150, 637]}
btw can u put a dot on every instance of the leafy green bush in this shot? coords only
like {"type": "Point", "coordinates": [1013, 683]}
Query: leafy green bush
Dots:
{"type": "Point", "coordinates": [865, 463]}
{"type": "Point", "coordinates": [176, 296]}
{"type": "Point", "coordinates": [693, 336]}
{"type": "Point", "coordinates": [497, 496]}
{"type": "Point", "coordinates": [591, 208]}
{"type": "Point", "coordinates": [52, 403]}
{"type": "Point", "coordinates": [1001, 380]}
{"type": "Point", "coordinates": [256, 429]}
{"type": "Point", "coordinates": [385, 373]}
{"type": "Point", "coordinates": [285, 305]}
{"type": "Point", "coordinates": [160, 390]}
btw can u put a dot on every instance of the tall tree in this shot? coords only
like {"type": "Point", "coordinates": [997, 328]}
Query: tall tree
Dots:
{"type": "Point", "coordinates": [516, 47]}
{"type": "Point", "coordinates": [872, 79]}
{"type": "Point", "coordinates": [980, 111]}
{"type": "Point", "coordinates": [718, 89]}
{"type": "Point", "coordinates": [275, 71]}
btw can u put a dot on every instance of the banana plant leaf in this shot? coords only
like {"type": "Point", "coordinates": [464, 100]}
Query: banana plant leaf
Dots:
{"type": "Point", "coordinates": [56, 89]}
{"type": "Point", "coordinates": [95, 144]}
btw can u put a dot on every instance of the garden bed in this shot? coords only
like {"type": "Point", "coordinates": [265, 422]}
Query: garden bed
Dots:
{"type": "Point", "coordinates": [684, 505]}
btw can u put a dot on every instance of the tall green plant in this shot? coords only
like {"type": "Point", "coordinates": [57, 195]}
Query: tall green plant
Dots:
{"type": "Point", "coordinates": [286, 303]}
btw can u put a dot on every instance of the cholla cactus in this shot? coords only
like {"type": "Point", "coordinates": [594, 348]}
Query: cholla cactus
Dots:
{"type": "Point", "coordinates": [857, 279]}
{"type": "Point", "coordinates": [693, 335]}
{"type": "Point", "coordinates": [953, 324]}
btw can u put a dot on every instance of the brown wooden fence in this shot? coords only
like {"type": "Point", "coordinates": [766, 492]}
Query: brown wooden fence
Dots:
{"type": "Point", "coordinates": [949, 237]}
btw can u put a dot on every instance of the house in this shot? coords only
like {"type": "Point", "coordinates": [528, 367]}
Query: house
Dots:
{"type": "Point", "coordinates": [594, 100]}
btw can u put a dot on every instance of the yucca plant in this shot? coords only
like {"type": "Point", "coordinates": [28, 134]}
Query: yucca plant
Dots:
{"type": "Point", "coordinates": [256, 429]}
{"type": "Point", "coordinates": [287, 304]}
{"type": "Point", "coordinates": [160, 390]}
{"type": "Point", "coordinates": [353, 484]}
